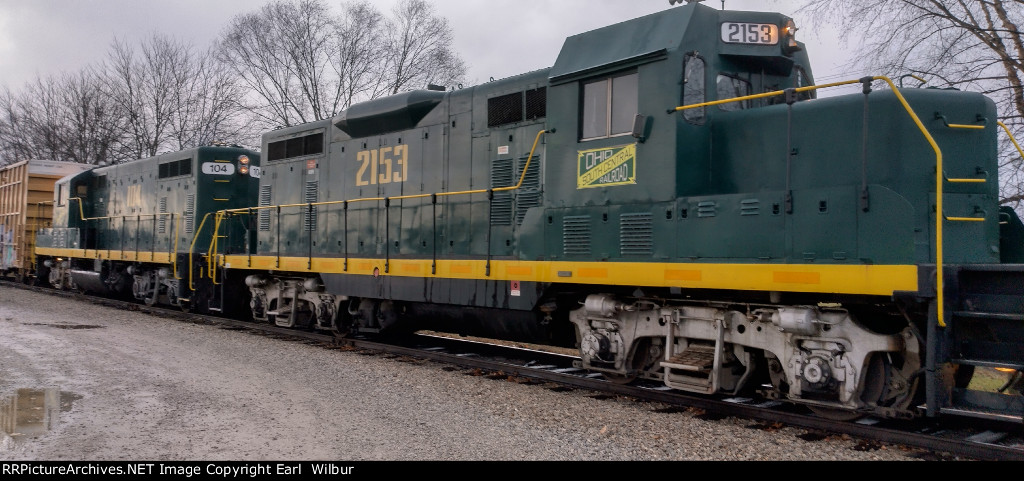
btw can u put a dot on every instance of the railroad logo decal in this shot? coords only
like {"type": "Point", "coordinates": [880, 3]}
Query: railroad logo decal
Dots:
{"type": "Point", "coordinates": [606, 166]}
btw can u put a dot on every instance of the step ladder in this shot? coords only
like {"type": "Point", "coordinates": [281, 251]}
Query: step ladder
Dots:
{"type": "Point", "coordinates": [985, 330]}
{"type": "Point", "coordinates": [695, 369]}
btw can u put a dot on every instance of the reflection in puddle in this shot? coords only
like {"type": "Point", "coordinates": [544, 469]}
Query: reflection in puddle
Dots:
{"type": "Point", "coordinates": [31, 412]}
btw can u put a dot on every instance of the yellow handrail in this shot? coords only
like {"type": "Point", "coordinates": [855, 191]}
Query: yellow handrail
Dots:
{"type": "Point", "coordinates": [82, 217]}
{"type": "Point", "coordinates": [211, 267]}
{"type": "Point", "coordinates": [177, 235]}
{"type": "Point", "coordinates": [960, 181]}
{"type": "Point", "coordinates": [192, 247]}
{"type": "Point", "coordinates": [518, 185]}
{"type": "Point", "coordinates": [939, 177]}
{"type": "Point", "coordinates": [1012, 138]}
{"type": "Point", "coordinates": [773, 93]}
{"type": "Point", "coordinates": [966, 219]}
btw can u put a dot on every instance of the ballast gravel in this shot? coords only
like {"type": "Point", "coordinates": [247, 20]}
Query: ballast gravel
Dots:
{"type": "Point", "coordinates": [134, 386]}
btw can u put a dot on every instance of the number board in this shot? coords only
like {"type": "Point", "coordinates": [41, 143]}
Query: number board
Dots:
{"type": "Point", "coordinates": [754, 33]}
{"type": "Point", "coordinates": [218, 168]}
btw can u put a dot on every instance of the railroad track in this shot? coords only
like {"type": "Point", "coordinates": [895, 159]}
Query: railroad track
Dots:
{"type": "Point", "coordinates": [946, 438]}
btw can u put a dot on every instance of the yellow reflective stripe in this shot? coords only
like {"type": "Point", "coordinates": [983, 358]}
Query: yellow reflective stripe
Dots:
{"type": "Point", "coordinates": [840, 279]}
{"type": "Point", "coordinates": [104, 254]}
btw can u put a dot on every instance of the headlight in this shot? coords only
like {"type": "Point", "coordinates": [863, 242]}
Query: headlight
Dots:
{"type": "Point", "coordinates": [243, 165]}
{"type": "Point", "coordinates": [789, 44]}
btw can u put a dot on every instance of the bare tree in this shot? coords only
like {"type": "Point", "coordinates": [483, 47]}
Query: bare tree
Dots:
{"type": "Point", "coordinates": [207, 107]}
{"type": "Point", "coordinates": [15, 145]}
{"type": "Point", "coordinates": [357, 61]}
{"type": "Point", "coordinates": [169, 97]}
{"type": "Point", "coordinates": [420, 49]}
{"type": "Point", "coordinates": [301, 63]}
{"type": "Point", "coordinates": [968, 44]}
{"type": "Point", "coordinates": [284, 53]}
{"type": "Point", "coordinates": [66, 118]}
{"type": "Point", "coordinates": [91, 124]}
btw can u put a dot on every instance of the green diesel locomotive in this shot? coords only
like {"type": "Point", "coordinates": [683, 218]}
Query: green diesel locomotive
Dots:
{"type": "Point", "coordinates": [672, 197]}
{"type": "Point", "coordinates": [141, 228]}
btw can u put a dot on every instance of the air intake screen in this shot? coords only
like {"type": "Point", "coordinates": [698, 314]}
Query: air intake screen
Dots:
{"type": "Point", "coordinates": [505, 109]}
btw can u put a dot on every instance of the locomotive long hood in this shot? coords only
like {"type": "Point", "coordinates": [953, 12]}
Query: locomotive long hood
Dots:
{"type": "Point", "coordinates": [388, 114]}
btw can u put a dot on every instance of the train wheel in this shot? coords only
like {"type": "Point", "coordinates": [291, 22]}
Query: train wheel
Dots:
{"type": "Point", "coordinates": [641, 358]}
{"type": "Point", "coordinates": [884, 384]}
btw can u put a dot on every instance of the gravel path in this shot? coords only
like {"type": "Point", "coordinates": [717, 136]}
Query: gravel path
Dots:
{"type": "Point", "coordinates": [139, 387]}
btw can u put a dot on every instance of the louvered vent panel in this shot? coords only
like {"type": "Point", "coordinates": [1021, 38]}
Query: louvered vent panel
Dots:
{"type": "Point", "coordinates": [529, 194]}
{"type": "Point", "coordinates": [636, 234]}
{"type": "Point", "coordinates": [162, 221]}
{"type": "Point", "coordinates": [707, 208]}
{"type": "Point", "coordinates": [264, 215]}
{"type": "Point", "coordinates": [190, 213]}
{"type": "Point", "coordinates": [309, 218]}
{"type": "Point", "coordinates": [501, 206]}
{"type": "Point", "coordinates": [750, 207]}
{"type": "Point", "coordinates": [576, 235]}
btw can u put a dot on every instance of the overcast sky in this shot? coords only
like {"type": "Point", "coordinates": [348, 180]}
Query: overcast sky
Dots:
{"type": "Point", "coordinates": [497, 38]}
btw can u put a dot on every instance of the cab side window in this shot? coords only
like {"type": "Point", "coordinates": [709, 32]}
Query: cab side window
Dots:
{"type": "Point", "coordinates": [803, 80]}
{"type": "Point", "coordinates": [729, 87]}
{"type": "Point", "coordinates": [693, 87]}
{"type": "Point", "coordinates": [609, 106]}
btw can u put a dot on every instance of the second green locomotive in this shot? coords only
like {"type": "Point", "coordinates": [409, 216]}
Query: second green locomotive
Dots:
{"type": "Point", "coordinates": [139, 229]}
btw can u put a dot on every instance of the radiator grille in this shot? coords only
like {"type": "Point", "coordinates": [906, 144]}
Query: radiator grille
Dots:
{"type": "Point", "coordinates": [309, 212]}
{"type": "Point", "coordinates": [264, 215]}
{"type": "Point", "coordinates": [190, 213]}
{"type": "Point", "coordinates": [162, 220]}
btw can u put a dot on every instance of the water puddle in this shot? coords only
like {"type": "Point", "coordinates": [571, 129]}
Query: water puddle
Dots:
{"type": "Point", "coordinates": [31, 412]}
{"type": "Point", "coordinates": [64, 325]}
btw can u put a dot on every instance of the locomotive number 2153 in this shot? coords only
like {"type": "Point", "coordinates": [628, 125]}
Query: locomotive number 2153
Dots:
{"type": "Point", "coordinates": [383, 165]}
